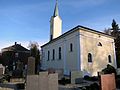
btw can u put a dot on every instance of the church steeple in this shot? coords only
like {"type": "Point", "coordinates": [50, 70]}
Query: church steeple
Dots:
{"type": "Point", "coordinates": [55, 23]}
{"type": "Point", "coordinates": [56, 11]}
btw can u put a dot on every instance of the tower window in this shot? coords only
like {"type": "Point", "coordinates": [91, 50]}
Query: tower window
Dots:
{"type": "Point", "coordinates": [59, 52]}
{"type": "Point", "coordinates": [89, 57]}
{"type": "Point", "coordinates": [51, 37]}
{"type": "Point", "coordinates": [71, 47]}
{"type": "Point", "coordinates": [109, 59]}
{"type": "Point", "coordinates": [48, 55]}
{"type": "Point", "coordinates": [53, 54]}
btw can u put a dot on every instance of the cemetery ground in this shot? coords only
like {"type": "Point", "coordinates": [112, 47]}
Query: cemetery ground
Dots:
{"type": "Point", "coordinates": [86, 83]}
{"type": "Point", "coordinates": [51, 81]}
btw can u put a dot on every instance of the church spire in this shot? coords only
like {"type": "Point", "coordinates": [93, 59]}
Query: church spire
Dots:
{"type": "Point", "coordinates": [55, 24]}
{"type": "Point", "coordinates": [56, 11]}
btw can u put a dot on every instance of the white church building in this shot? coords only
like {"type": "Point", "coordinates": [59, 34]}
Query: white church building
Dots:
{"type": "Point", "coordinates": [79, 49]}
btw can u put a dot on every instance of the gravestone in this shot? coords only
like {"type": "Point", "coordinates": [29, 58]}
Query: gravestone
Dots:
{"type": "Point", "coordinates": [118, 71]}
{"type": "Point", "coordinates": [53, 81]}
{"type": "Point", "coordinates": [18, 72]}
{"type": "Point", "coordinates": [19, 65]}
{"type": "Point", "coordinates": [108, 82]}
{"type": "Point", "coordinates": [2, 69]}
{"type": "Point", "coordinates": [31, 66]}
{"type": "Point", "coordinates": [76, 77]}
{"type": "Point", "coordinates": [43, 81]}
{"type": "Point", "coordinates": [32, 82]}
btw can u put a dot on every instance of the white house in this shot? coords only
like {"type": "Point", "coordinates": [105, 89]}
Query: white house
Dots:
{"type": "Point", "coordinates": [79, 49]}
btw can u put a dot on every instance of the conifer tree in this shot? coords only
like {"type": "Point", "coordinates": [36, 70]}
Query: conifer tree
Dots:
{"type": "Point", "coordinates": [116, 33]}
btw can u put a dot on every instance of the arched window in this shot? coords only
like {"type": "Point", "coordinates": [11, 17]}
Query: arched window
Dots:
{"type": "Point", "coordinates": [100, 44]}
{"type": "Point", "coordinates": [59, 52]}
{"type": "Point", "coordinates": [53, 54]}
{"type": "Point", "coordinates": [48, 55]}
{"type": "Point", "coordinates": [109, 59]}
{"type": "Point", "coordinates": [71, 47]}
{"type": "Point", "coordinates": [89, 57]}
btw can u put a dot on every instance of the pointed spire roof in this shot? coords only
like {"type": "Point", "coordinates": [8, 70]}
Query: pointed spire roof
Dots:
{"type": "Point", "coordinates": [56, 11]}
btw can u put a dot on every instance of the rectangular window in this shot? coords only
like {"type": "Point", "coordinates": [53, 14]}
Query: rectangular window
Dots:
{"type": "Point", "coordinates": [51, 36]}
{"type": "Point", "coordinates": [48, 55]}
{"type": "Point", "coordinates": [53, 54]}
{"type": "Point", "coordinates": [59, 52]}
{"type": "Point", "coordinates": [71, 47]}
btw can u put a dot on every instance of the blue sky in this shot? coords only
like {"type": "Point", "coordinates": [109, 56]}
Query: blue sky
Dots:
{"type": "Point", "coordinates": [28, 20]}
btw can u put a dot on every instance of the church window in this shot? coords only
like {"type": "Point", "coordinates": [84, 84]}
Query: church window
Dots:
{"type": "Point", "coordinates": [59, 52]}
{"type": "Point", "coordinates": [48, 55]}
{"type": "Point", "coordinates": [109, 59]}
{"type": "Point", "coordinates": [89, 57]}
{"type": "Point", "coordinates": [53, 54]}
{"type": "Point", "coordinates": [71, 47]}
{"type": "Point", "coordinates": [51, 36]}
{"type": "Point", "coordinates": [99, 44]}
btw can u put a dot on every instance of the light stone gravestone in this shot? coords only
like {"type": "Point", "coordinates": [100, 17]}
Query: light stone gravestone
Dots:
{"type": "Point", "coordinates": [53, 81]}
{"type": "Point", "coordinates": [2, 69]}
{"type": "Point", "coordinates": [43, 81]}
{"type": "Point", "coordinates": [32, 82]}
{"type": "Point", "coordinates": [76, 77]}
{"type": "Point", "coordinates": [118, 71]}
{"type": "Point", "coordinates": [31, 66]}
{"type": "Point", "coordinates": [108, 82]}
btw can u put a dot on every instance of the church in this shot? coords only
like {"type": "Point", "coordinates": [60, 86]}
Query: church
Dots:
{"type": "Point", "coordinates": [79, 49]}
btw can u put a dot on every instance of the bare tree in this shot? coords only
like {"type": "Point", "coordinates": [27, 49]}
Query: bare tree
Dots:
{"type": "Point", "coordinates": [108, 31]}
{"type": "Point", "coordinates": [35, 52]}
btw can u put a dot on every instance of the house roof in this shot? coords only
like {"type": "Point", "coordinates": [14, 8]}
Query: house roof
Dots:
{"type": "Point", "coordinates": [16, 47]}
{"type": "Point", "coordinates": [77, 28]}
